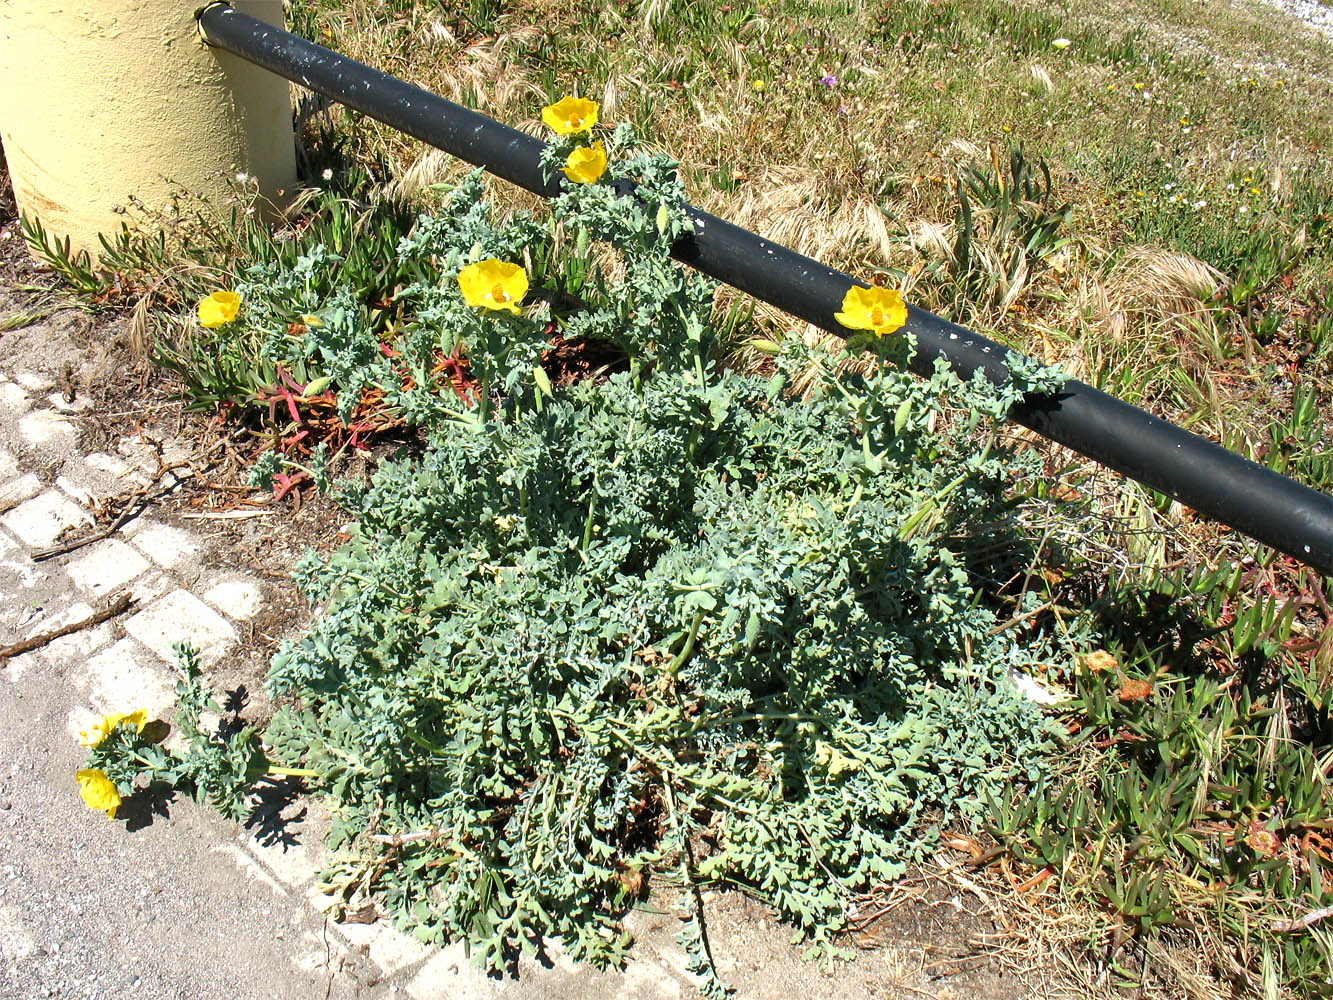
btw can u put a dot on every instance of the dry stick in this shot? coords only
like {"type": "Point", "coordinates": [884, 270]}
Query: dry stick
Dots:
{"type": "Point", "coordinates": [1301, 923]}
{"type": "Point", "coordinates": [138, 501]}
{"type": "Point", "coordinates": [119, 605]}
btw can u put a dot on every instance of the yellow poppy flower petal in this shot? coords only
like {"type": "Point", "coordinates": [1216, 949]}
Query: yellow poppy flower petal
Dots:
{"type": "Point", "coordinates": [570, 115]}
{"type": "Point", "coordinates": [106, 725]}
{"type": "Point", "coordinates": [218, 309]}
{"type": "Point", "coordinates": [493, 284]}
{"type": "Point", "coordinates": [98, 791]}
{"type": "Point", "coordinates": [586, 164]}
{"type": "Point", "coordinates": [880, 310]}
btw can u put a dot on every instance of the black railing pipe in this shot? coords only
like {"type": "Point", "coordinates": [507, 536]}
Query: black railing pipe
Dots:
{"type": "Point", "coordinates": [1214, 481]}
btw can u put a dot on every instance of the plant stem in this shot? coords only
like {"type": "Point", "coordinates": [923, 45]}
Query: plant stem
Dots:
{"type": "Point", "coordinates": [679, 660]}
{"type": "Point", "coordinates": [287, 772]}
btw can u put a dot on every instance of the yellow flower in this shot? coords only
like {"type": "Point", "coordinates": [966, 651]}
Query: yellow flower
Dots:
{"type": "Point", "coordinates": [570, 115]}
{"type": "Point", "coordinates": [218, 309]}
{"type": "Point", "coordinates": [91, 737]}
{"type": "Point", "coordinates": [310, 319]}
{"type": "Point", "coordinates": [586, 164]}
{"type": "Point", "coordinates": [879, 309]}
{"type": "Point", "coordinates": [98, 791]}
{"type": "Point", "coordinates": [759, 85]}
{"type": "Point", "coordinates": [493, 284]}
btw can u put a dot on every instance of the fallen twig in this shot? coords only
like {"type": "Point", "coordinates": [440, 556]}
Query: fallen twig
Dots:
{"type": "Point", "coordinates": [118, 606]}
{"type": "Point", "coordinates": [229, 515]}
{"type": "Point", "coordinates": [138, 501]}
{"type": "Point", "coordinates": [1301, 923]}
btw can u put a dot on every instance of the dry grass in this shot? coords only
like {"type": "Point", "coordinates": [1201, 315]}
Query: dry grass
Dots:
{"type": "Point", "coordinates": [859, 172]}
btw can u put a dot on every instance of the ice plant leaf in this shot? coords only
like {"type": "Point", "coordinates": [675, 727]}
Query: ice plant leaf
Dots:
{"type": "Point", "coordinates": [586, 164]}
{"type": "Point", "coordinates": [880, 310]}
{"type": "Point", "coordinates": [570, 115]}
{"type": "Point", "coordinates": [493, 284]}
{"type": "Point", "coordinates": [98, 791]}
{"type": "Point", "coordinates": [218, 309]}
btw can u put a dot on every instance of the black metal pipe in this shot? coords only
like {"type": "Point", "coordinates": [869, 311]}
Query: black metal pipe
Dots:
{"type": "Point", "coordinates": [1255, 500]}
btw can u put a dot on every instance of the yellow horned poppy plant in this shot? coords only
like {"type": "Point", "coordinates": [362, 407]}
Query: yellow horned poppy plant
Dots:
{"type": "Point", "coordinates": [586, 164]}
{"type": "Point", "coordinates": [91, 737]}
{"type": "Point", "coordinates": [493, 284]}
{"type": "Point", "coordinates": [218, 309]}
{"type": "Point", "coordinates": [881, 310]}
{"type": "Point", "coordinates": [98, 791]}
{"type": "Point", "coordinates": [570, 115]}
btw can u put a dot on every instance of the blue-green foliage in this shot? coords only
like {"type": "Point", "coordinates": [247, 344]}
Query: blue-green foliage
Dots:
{"type": "Point", "coordinates": [676, 622]}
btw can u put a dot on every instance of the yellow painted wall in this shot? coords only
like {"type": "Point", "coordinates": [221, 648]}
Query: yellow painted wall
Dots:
{"type": "Point", "coordinates": [104, 99]}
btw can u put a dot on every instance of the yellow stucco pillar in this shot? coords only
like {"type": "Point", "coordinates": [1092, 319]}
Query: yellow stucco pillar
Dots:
{"type": "Point", "coordinates": [101, 100]}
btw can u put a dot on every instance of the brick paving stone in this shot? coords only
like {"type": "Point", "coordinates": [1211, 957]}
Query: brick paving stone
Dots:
{"type": "Point", "coordinates": [292, 864]}
{"type": "Point", "coordinates": [182, 617]}
{"type": "Point", "coordinates": [138, 452]}
{"type": "Point", "coordinates": [388, 948]}
{"type": "Point", "coordinates": [39, 522]}
{"type": "Point", "coordinates": [150, 586]}
{"type": "Point", "coordinates": [110, 465]}
{"type": "Point", "coordinates": [80, 494]}
{"type": "Point", "coordinates": [237, 599]}
{"type": "Point", "coordinates": [449, 975]}
{"type": "Point", "coordinates": [143, 456]}
{"type": "Point", "coordinates": [77, 646]}
{"type": "Point", "coordinates": [165, 545]}
{"type": "Point", "coordinates": [13, 400]}
{"type": "Point", "coordinates": [250, 866]}
{"type": "Point", "coordinates": [16, 666]}
{"type": "Point", "coordinates": [34, 382]}
{"type": "Point", "coordinates": [9, 467]}
{"type": "Point", "coordinates": [106, 566]}
{"type": "Point", "coordinates": [58, 402]}
{"type": "Point", "coordinates": [99, 476]}
{"type": "Point", "coordinates": [17, 490]}
{"type": "Point", "coordinates": [125, 677]}
{"type": "Point", "coordinates": [16, 566]}
{"type": "Point", "coordinates": [47, 427]}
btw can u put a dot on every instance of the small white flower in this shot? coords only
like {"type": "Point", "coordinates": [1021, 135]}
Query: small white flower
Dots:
{"type": "Point", "coordinates": [1061, 43]}
{"type": "Point", "coordinates": [1168, 186]}
{"type": "Point", "coordinates": [242, 178]}
{"type": "Point", "coordinates": [327, 174]}
{"type": "Point", "coordinates": [1200, 204]}
{"type": "Point", "coordinates": [1243, 209]}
